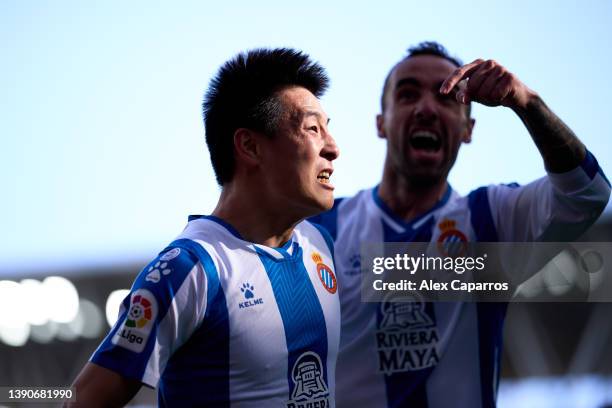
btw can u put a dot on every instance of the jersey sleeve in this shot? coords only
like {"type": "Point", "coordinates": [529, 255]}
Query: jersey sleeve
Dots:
{"type": "Point", "coordinates": [558, 207]}
{"type": "Point", "coordinates": [167, 302]}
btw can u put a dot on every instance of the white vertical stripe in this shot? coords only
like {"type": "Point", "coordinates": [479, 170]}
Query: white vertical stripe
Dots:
{"type": "Point", "coordinates": [311, 239]}
{"type": "Point", "coordinates": [455, 382]}
{"type": "Point", "coordinates": [177, 326]}
{"type": "Point", "coordinates": [359, 384]}
{"type": "Point", "coordinates": [257, 338]}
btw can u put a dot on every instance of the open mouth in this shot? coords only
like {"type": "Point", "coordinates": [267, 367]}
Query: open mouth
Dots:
{"type": "Point", "coordinates": [324, 176]}
{"type": "Point", "coordinates": [425, 140]}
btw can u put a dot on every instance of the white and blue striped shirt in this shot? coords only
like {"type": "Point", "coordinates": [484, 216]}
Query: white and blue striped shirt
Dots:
{"type": "Point", "coordinates": [219, 321]}
{"type": "Point", "coordinates": [449, 353]}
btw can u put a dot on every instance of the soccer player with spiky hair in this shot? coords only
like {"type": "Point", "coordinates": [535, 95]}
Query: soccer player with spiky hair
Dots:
{"type": "Point", "coordinates": [242, 308]}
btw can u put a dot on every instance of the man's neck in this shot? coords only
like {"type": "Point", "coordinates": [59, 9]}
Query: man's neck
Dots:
{"type": "Point", "coordinates": [252, 218]}
{"type": "Point", "coordinates": [408, 201]}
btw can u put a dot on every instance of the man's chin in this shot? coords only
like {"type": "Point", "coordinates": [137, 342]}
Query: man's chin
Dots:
{"type": "Point", "coordinates": [325, 204]}
{"type": "Point", "coordinates": [424, 179]}
{"type": "Point", "coordinates": [316, 206]}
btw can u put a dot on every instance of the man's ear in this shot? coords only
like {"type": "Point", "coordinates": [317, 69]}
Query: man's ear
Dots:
{"type": "Point", "coordinates": [380, 121]}
{"type": "Point", "coordinates": [247, 146]}
{"type": "Point", "coordinates": [467, 136]}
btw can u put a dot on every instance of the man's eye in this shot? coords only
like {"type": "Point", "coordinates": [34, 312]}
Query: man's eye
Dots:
{"type": "Point", "coordinates": [314, 128]}
{"type": "Point", "coordinates": [448, 98]}
{"type": "Point", "coordinates": [406, 95]}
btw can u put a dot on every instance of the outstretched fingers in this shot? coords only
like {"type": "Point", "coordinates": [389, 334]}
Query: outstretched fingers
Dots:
{"type": "Point", "coordinates": [460, 74]}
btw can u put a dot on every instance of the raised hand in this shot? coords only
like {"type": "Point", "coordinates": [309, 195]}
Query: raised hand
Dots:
{"type": "Point", "coordinates": [489, 83]}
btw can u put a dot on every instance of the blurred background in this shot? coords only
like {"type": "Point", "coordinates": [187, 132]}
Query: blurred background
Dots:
{"type": "Point", "coordinates": [103, 155]}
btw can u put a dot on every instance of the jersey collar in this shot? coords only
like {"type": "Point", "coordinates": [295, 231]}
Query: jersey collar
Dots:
{"type": "Point", "coordinates": [287, 251]}
{"type": "Point", "coordinates": [398, 223]}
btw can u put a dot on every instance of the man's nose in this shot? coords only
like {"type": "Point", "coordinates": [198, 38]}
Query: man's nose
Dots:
{"type": "Point", "coordinates": [426, 109]}
{"type": "Point", "coordinates": [330, 149]}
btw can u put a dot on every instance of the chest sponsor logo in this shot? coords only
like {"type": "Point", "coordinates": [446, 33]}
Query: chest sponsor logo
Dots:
{"type": "Point", "coordinates": [407, 337]}
{"type": "Point", "coordinates": [309, 388]}
{"type": "Point", "coordinates": [451, 241]}
{"type": "Point", "coordinates": [248, 293]}
{"type": "Point", "coordinates": [325, 273]}
{"type": "Point", "coordinates": [138, 323]}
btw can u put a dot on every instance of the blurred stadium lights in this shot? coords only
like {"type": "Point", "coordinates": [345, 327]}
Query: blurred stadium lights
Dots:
{"type": "Point", "coordinates": [44, 311]}
{"type": "Point", "coordinates": [556, 392]}
{"type": "Point", "coordinates": [14, 329]}
{"type": "Point", "coordinates": [113, 303]}
{"type": "Point", "coordinates": [62, 299]}
{"type": "Point", "coordinates": [34, 312]}
{"type": "Point", "coordinates": [93, 320]}
{"type": "Point", "coordinates": [44, 333]}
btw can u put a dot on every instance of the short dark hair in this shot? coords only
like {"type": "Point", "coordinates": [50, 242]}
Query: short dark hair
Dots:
{"type": "Point", "coordinates": [423, 48]}
{"type": "Point", "coordinates": [433, 48]}
{"type": "Point", "coordinates": [244, 94]}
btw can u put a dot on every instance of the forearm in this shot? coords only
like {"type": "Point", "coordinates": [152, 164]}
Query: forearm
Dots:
{"type": "Point", "coordinates": [560, 148]}
{"type": "Point", "coordinates": [97, 386]}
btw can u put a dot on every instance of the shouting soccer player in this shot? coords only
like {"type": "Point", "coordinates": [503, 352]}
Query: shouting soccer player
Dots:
{"type": "Point", "coordinates": [242, 308]}
{"type": "Point", "coordinates": [447, 354]}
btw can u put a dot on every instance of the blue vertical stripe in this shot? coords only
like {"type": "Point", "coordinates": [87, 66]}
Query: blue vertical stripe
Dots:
{"type": "Point", "coordinates": [481, 217]}
{"type": "Point", "coordinates": [491, 316]}
{"type": "Point", "coordinates": [409, 388]}
{"type": "Point", "coordinates": [300, 310]}
{"type": "Point", "coordinates": [210, 371]}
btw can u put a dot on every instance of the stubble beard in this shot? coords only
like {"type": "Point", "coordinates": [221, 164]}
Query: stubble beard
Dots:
{"type": "Point", "coordinates": [419, 179]}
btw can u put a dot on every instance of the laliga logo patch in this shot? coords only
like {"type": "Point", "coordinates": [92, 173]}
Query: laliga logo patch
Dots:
{"type": "Point", "coordinates": [309, 388]}
{"type": "Point", "coordinates": [451, 241]}
{"type": "Point", "coordinates": [140, 312]}
{"type": "Point", "coordinates": [325, 273]}
{"type": "Point", "coordinates": [137, 326]}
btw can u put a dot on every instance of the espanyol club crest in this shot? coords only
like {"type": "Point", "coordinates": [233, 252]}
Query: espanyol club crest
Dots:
{"type": "Point", "coordinates": [325, 273]}
{"type": "Point", "coordinates": [451, 241]}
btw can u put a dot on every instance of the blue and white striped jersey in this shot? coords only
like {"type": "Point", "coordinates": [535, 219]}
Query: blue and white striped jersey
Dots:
{"type": "Point", "coordinates": [448, 355]}
{"type": "Point", "coordinates": [218, 321]}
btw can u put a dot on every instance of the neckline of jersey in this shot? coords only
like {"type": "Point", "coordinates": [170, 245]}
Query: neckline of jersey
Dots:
{"type": "Point", "coordinates": [287, 251]}
{"type": "Point", "coordinates": [409, 225]}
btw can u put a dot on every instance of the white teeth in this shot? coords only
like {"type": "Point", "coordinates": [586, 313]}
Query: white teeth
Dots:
{"type": "Point", "coordinates": [324, 177]}
{"type": "Point", "coordinates": [425, 134]}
